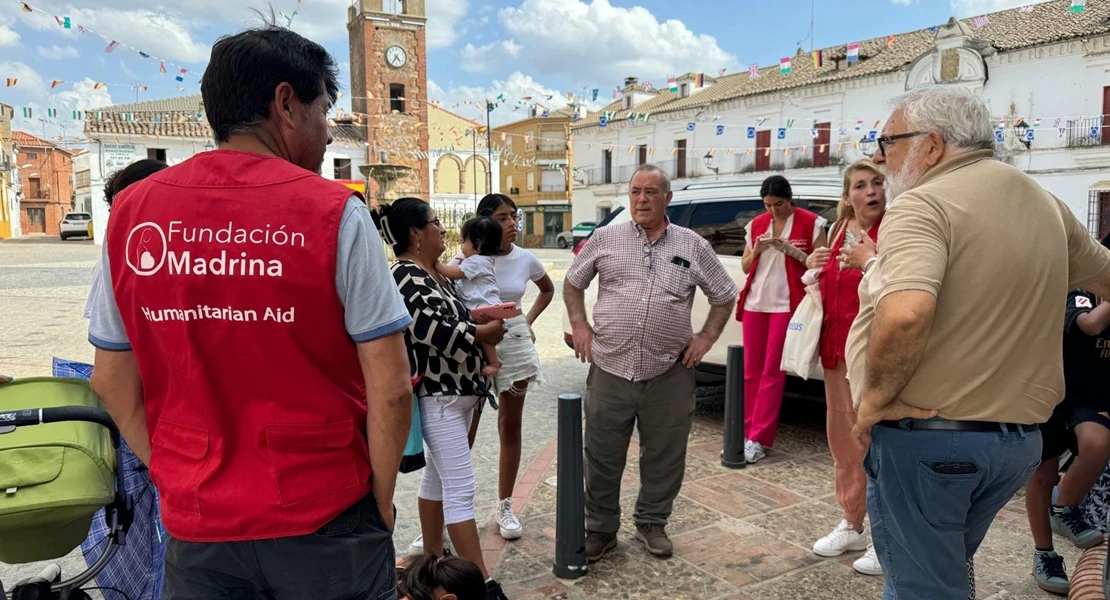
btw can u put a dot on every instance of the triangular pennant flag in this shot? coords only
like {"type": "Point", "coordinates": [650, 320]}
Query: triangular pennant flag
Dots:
{"type": "Point", "coordinates": [25, 7]}
{"type": "Point", "coordinates": [1078, 6]}
{"type": "Point", "coordinates": [12, 81]}
{"type": "Point", "coordinates": [112, 46]}
{"type": "Point", "coordinates": [784, 66]}
{"type": "Point", "coordinates": [55, 83]}
{"type": "Point", "coordinates": [161, 66]}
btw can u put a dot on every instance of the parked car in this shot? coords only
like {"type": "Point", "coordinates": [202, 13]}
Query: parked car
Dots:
{"type": "Point", "coordinates": [75, 224]}
{"type": "Point", "coordinates": [720, 212]}
{"type": "Point", "coordinates": [577, 233]}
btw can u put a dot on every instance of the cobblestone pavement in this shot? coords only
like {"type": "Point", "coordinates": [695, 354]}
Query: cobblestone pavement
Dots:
{"type": "Point", "coordinates": [739, 535]}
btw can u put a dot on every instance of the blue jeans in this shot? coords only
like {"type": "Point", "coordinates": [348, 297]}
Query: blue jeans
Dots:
{"type": "Point", "coordinates": [926, 525]}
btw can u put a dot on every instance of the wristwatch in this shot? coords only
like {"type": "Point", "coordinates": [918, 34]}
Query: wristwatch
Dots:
{"type": "Point", "coordinates": [867, 265]}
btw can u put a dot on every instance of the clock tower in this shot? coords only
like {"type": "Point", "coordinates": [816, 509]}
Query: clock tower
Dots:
{"type": "Point", "coordinates": [389, 86]}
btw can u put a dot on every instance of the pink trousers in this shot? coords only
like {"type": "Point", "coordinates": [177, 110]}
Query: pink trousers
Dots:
{"type": "Point", "coordinates": [848, 473]}
{"type": "Point", "coordinates": [764, 380]}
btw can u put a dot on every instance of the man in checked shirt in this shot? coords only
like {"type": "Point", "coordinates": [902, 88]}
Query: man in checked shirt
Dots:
{"type": "Point", "coordinates": [642, 351]}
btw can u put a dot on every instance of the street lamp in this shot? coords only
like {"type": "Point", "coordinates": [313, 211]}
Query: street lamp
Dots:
{"type": "Point", "coordinates": [708, 160]}
{"type": "Point", "coordinates": [208, 146]}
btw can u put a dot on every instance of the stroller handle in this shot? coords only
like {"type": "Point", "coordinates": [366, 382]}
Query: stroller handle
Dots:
{"type": "Point", "coordinates": [39, 416]}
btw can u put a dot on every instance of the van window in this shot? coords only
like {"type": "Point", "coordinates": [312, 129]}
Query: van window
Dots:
{"type": "Point", "coordinates": [825, 208]}
{"type": "Point", "coordinates": [724, 224]}
{"type": "Point", "coordinates": [675, 212]}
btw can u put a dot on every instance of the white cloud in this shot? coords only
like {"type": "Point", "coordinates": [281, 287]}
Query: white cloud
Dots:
{"type": "Point", "coordinates": [8, 36]}
{"type": "Point", "coordinates": [82, 96]}
{"type": "Point", "coordinates": [515, 87]}
{"type": "Point", "coordinates": [971, 8]}
{"type": "Point", "coordinates": [569, 36]}
{"type": "Point", "coordinates": [444, 17]}
{"type": "Point", "coordinates": [56, 52]}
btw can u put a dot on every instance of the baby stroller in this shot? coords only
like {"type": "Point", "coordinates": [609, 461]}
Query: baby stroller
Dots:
{"type": "Point", "coordinates": [58, 467]}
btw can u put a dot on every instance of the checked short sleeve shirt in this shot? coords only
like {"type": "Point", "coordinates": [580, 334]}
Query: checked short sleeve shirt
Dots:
{"type": "Point", "coordinates": [642, 319]}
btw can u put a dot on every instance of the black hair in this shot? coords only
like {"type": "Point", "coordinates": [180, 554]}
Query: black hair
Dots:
{"type": "Point", "coordinates": [484, 234]}
{"type": "Point", "coordinates": [777, 186]}
{"type": "Point", "coordinates": [395, 221]}
{"type": "Point", "coordinates": [423, 574]}
{"type": "Point", "coordinates": [1106, 241]}
{"type": "Point", "coordinates": [492, 202]}
{"type": "Point", "coordinates": [132, 173]}
{"type": "Point", "coordinates": [244, 70]}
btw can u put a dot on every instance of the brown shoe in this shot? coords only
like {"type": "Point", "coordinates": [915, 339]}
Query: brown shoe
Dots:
{"type": "Point", "coordinates": [655, 538]}
{"type": "Point", "coordinates": [597, 544]}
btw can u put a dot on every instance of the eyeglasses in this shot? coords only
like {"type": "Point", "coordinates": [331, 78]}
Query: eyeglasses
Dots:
{"type": "Point", "coordinates": [887, 139]}
{"type": "Point", "coordinates": [436, 221]}
{"type": "Point", "coordinates": [646, 259]}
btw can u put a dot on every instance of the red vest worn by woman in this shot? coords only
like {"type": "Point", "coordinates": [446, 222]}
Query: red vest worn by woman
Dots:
{"type": "Point", "coordinates": [840, 299]}
{"type": "Point", "coordinates": [223, 268]}
{"type": "Point", "coordinates": [801, 237]}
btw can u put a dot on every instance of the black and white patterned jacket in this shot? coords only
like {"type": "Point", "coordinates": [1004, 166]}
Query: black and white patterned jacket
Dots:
{"type": "Point", "coordinates": [440, 341]}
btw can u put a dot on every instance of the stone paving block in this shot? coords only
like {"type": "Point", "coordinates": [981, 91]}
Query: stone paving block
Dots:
{"type": "Point", "coordinates": [826, 581]}
{"type": "Point", "coordinates": [806, 478]}
{"type": "Point", "coordinates": [741, 558]}
{"type": "Point", "coordinates": [516, 565]}
{"type": "Point", "coordinates": [802, 524]}
{"type": "Point", "coordinates": [739, 495]}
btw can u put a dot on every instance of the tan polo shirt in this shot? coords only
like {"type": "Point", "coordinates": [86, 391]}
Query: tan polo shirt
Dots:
{"type": "Point", "coordinates": [1000, 254]}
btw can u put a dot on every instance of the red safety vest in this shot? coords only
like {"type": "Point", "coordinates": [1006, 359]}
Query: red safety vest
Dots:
{"type": "Point", "coordinates": [801, 236]}
{"type": "Point", "coordinates": [223, 268]}
{"type": "Point", "coordinates": [840, 300]}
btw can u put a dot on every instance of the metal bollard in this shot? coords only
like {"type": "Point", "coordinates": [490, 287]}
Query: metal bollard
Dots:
{"type": "Point", "coordinates": [570, 500]}
{"type": "Point", "coordinates": [732, 455]}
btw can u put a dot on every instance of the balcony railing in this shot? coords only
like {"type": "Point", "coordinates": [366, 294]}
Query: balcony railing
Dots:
{"type": "Point", "coordinates": [1086, 132]}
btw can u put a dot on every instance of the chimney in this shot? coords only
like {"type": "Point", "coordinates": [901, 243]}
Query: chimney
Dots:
{"type": "Point", "coordinates": [631, 81]}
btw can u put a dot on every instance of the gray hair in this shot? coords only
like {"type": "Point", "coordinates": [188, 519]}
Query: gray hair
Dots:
{"type": "Point", "coordinates": [960, 116]}
{"type": "Point", "coordinates": [650, 168]}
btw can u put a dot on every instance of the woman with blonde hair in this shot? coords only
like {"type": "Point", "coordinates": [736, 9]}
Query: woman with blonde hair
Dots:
{"type": "Point", "coordinates": [860, 211]}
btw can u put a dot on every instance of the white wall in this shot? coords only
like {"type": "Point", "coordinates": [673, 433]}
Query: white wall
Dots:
{"type": "Point", "coordinates": [177, 151]}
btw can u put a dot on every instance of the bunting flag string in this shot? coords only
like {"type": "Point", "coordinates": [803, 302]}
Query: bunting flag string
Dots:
{"type": "Point", "coordinates": [112, 44]}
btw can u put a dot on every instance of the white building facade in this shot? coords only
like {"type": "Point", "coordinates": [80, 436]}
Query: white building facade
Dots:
{"type": "Point", "coordinates": [1045, 74]}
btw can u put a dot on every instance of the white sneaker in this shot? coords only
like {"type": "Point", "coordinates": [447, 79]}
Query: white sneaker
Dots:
{"type": "Point", "coordinates": [842, 539]}
{"type": "Point", "coordinates": [868, 564]}
{"type": "Point", "coordinates": [511, 528]}
{"type": "Point", "coordinates": [416, 548]}
{"type": "Point", "coordinates": [753, 451]}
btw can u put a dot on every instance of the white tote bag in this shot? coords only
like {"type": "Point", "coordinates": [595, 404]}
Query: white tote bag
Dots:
{"type": "Point", "coordinates": [803, 335]}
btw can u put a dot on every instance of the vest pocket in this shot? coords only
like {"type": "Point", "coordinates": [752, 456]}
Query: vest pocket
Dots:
{"type": "Point", "coordinates": [312, 461]}
{"type": "Point", "coordinates": [178, 456]}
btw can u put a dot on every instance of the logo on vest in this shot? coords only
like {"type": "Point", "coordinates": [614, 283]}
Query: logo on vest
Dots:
{"type": "Point", "coordinates": [148, 249]}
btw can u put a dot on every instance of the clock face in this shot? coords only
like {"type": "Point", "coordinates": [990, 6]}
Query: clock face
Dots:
{"type": "Point", "coordinates": [395, 56]}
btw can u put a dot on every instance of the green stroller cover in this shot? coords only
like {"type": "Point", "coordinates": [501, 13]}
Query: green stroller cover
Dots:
{"type": "Point", "coordinates": [53, 477]}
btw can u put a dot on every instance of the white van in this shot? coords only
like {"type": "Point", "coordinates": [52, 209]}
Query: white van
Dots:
{"type": "Point", "coordinates": [720, 212]}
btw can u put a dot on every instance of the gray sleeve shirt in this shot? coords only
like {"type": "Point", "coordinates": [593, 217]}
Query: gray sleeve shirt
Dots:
{"type": "Point", "coordinates": [372, 306]}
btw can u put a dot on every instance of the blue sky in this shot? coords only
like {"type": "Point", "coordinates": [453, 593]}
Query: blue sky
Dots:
{"type": "Point", "coordinates": [477, 48]}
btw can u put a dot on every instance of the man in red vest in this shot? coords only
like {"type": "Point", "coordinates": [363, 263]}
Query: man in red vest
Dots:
{"type": "Point", "coordinates": [249, 346]}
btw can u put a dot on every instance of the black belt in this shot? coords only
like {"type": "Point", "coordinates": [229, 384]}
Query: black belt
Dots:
{"type": "Point", "coordinates": [946, 425]}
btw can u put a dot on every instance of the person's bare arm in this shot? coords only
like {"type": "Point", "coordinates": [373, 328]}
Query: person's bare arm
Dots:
{"type": "Point", "coordinates": [116, 380]}
{"type": "Point", "coordinates": [450, 272]}
{"type": "Point", "coordinates": [905, 284]}
{"type": "Point", "coordinates": [717, 285]}
{"type": "Point", "coordinates": [582, 271]}
{"type": "Point", "coordinates": [1095, 322]}
{"type": "Point", "coordinates": [543, 300]}
{"type": "Point", "coordinates": [385, 368]}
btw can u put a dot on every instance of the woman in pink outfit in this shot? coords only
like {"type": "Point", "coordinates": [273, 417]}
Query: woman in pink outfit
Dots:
{"type": "Point", "coordinates": [778, 244]}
